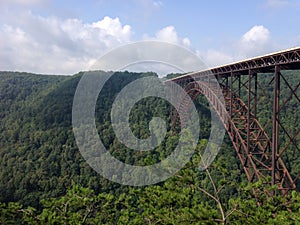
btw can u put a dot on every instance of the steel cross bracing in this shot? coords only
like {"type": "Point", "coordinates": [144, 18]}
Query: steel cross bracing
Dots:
{"type": "Point", "coordinates": [257, 146]}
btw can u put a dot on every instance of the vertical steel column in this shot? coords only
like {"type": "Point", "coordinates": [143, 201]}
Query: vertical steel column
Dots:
{"type": "Point", "coordinates": [239, 85]}
{"type": "Point", "coordinates": [231, 94]}
{"type": "Point", "coordinates": [218, 83]}
{"type": "Point", "coordinates": [275, 121]}
{"type": "Point", "coordinates": [255, 95]}
{"type": "Point", "coordinates": [227, 82]}
{"type": "Point", "coordinates": [249, 111]}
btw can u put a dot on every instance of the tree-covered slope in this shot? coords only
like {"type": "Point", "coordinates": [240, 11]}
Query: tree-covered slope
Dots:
{"type": "Point", "coordinates": [39, 159]}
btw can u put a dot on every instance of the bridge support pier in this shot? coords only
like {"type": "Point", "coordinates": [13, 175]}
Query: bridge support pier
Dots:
{"type": "Point", "coordinates": [275, 123]}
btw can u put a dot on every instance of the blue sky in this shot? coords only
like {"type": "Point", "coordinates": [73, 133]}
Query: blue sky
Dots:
{"type": "Point", "coordinates": [37, 35]}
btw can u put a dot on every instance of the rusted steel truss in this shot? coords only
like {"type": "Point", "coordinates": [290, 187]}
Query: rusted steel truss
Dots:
{"type": "Point", "coordinates": [257, 147]}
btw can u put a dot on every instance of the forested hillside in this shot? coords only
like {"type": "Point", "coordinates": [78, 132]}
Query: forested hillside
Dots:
{"type": "Point", "coordinates": [45, 180]}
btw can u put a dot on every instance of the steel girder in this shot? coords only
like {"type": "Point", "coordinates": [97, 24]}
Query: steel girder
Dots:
{"type": "Point", "coordinates": [260, 154]}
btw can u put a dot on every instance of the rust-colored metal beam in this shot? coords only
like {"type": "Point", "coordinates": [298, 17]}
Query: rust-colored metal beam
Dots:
{"type": "Point", "coordinates": [259, 153]}
{"type": "Point", "coordinates": [275, 123]}
{"type": "Point", "coordinates": [287, 60]}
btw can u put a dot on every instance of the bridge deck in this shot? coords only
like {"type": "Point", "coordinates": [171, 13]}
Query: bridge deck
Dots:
{"type": "Point", "coordinates": [287, 60]}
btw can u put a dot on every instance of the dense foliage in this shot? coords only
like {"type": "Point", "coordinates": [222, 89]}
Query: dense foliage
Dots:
{"type": "Point", "coordinates": [45, 180]}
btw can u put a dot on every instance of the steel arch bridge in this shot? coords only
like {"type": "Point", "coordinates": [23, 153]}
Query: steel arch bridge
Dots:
{"type": "Point", "coordinates": [257, 143]}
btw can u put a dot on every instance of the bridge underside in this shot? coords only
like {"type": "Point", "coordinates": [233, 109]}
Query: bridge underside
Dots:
{"type": "Point", "coordinates": [250, 89]}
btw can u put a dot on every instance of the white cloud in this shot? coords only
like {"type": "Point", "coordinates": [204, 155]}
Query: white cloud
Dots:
{"type": "Point", "coordinates": [51, 45]}
{"type": "Point", "coordinates": [150, 56]}
{"type": "Point", "coordinates": [257, 34]}
{"type": "Point", "coordinates": [255, 42]}
{"type": "Point", "coordinates": [64, 46]}
{"type": "Point", "coordinates": [114, 28]}
{"type": "Point", "coordinates": [169, 34]}
{"type": "Point", "coordinates": [186, 42]}
{"type": "Point", "coordinates": [214, 58]}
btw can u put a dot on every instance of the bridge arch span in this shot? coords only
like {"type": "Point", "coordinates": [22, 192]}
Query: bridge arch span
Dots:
{"type": "Point", "coordinates": [260, 155]}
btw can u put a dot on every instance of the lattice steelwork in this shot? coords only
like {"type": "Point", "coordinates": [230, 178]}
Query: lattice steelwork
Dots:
{"type": "Point", "coordinates": [257, 145]}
